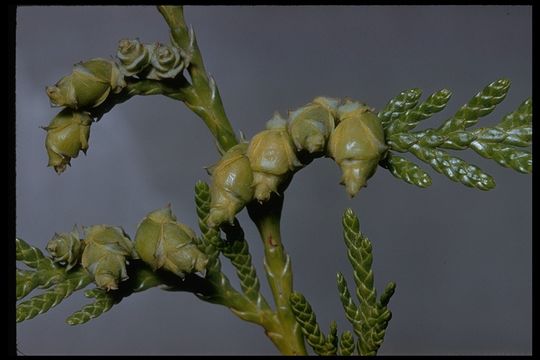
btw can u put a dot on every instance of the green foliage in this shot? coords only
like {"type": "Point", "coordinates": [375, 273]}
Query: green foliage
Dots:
{"type": "Point", "coordinates": [234, 248]}
{"type": "Point", "coordinates": [237, 251]}
{"type": "Point", "coordinates": [31, 256]}
{"type": "Point", "coordinates": [61, 283]}
{"type": "Point", "coordinates": [398, 106]}
{"type": "Point", "coordinates": [26, 282]}
{"type": "Point", "coordinates": [210, 241]}
{"type": "Point", "coordinates": [498, 143]}
{"type": "Point", "coordinates": [45, 275]}
{"type": "Point", "coordinates": [332, 339]}
{"type": "Point", "coordinates": [310, 328]}
{"type": "Point", "coordinates": [215, 287]}
{"type": "Point", "coordinates": [356, 143]}
{"type": "Point", "coordinates": [63, 287]}
{"type": "Point", "coordinates": [103, 302]}
{"type": "Point", "coordinates": [480, 105]}
{"type": "Point", "coordinates": [409, 119]}
{"type": "Point", "coordinates": [141, 277]}
{"type": "Point", "coordinates": [454, 168]}
{"type": "Point", "coordinates": [406, 170]}
{"type": "Point", "coordinates": [346, 344]}
{"type": "Point", "coordinates": [369, 319]}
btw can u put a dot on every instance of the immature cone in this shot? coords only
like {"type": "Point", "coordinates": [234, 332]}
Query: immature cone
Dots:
{"type": "Point", "coordinates": [357, 144]}
{"type": "Point", "coordinates": [310, 126]}
{"type": "Point", "coordinates": [67, 134]}
{"type": "Point", "coordinates": [162, 242]}
{"type": "Point", "coordinates": [272, 157]}
{"type": "Point", "coordinates": [231, 186]}
{"type": "Point", "coordinates": [134, 57]}
{"type": "Point", "coordinates": [66, 248]}
{"type": "Point", "coordinates": [167, 62]}
{"type": "Point", "coordinates": [105, 253]}
{"type": "Point", "coordinates": [89, 84]}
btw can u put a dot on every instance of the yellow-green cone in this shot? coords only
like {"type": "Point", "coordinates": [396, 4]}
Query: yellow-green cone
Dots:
{"type": "Point", "coordinates": [357, 144]}
{"type": "Point", "coordinates": [89, 84]}
{"type": "Point", "coordinates": [310, 126]}
{"type": "Point", "coordinates": [272, 157]}
{"type": "Point", "coordinates": [105, 255]}
{"type": "Point", "coordinates": [231, 186]}
{"type": "Point", "coordinates": [162, 242]}
{"type": "Point", "coordinates": [67, 134]}
{"type": "Point", "coordinates": [66, 248]}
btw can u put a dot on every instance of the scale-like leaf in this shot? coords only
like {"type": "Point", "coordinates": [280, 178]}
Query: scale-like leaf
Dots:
{"type": "Point", "coordinates": [103, 302]}
{"type": "Point", "coordinates": [73, 281]}
{"type": "Point", "coordinates": [31, 256]}
{"type": "Point", "coordinates": [454, 168]}
{"type": "Point", "coordinates": [346, 344]}
{"type": "Point", "coordinates": [308, 322]}
{"type": "Point", "coordinates": [480, 105]}
{"type": "Point", "coordinates": [497, 143]}
{"type": "Point", "coordinates": [406, 170]}
{"type": "Point", "coordinates": [236, 249]}
{"type": "Point", "coordinates": [435, 103]}
{"type": "Point", "coordinates": [398, 106]}
{"type": "Point", "coordinates": [211, 241]}
{"type": "Point", "coordinates": [369, 319]}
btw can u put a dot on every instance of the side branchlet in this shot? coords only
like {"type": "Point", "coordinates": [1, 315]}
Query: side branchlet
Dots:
{"type": "Point", "coordinates": [500, 143]}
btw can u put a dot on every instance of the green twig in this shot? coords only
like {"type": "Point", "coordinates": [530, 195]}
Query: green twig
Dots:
{"type": "Point", "coordinates": [207, 102]}
{"type": "Point", "coordinates": [278, 268]}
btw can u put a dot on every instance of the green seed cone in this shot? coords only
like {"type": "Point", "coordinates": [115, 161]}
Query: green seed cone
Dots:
{"type": "Point", "coordinates": [356, 144]}
{"type": "Point", "coordinates": [167, 62]}
{"type": "Point", "coordinates": [162, 242]}
{"type": "Point", "coordinates": [66, 248]}
{"type": "Point", "coordinates": [89, 84]}
{"type": "Point", "coordinates": [67, 134]}
{"type": "Point", "coordinates": [311, 125]}
{"type": "Point", "coordinates": [231, 186]}
{"type": "Point", "coordinates": [272, 157]}
{"type": "Point", "coordinates": [63, 92]}
{"type": "Point", "coordinates": [134, 57]}
{"type": "Point", "coordinates": [104, 256]}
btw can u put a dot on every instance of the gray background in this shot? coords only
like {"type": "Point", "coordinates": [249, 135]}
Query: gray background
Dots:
{"type": "Point", "coordinates": [461, 257]}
